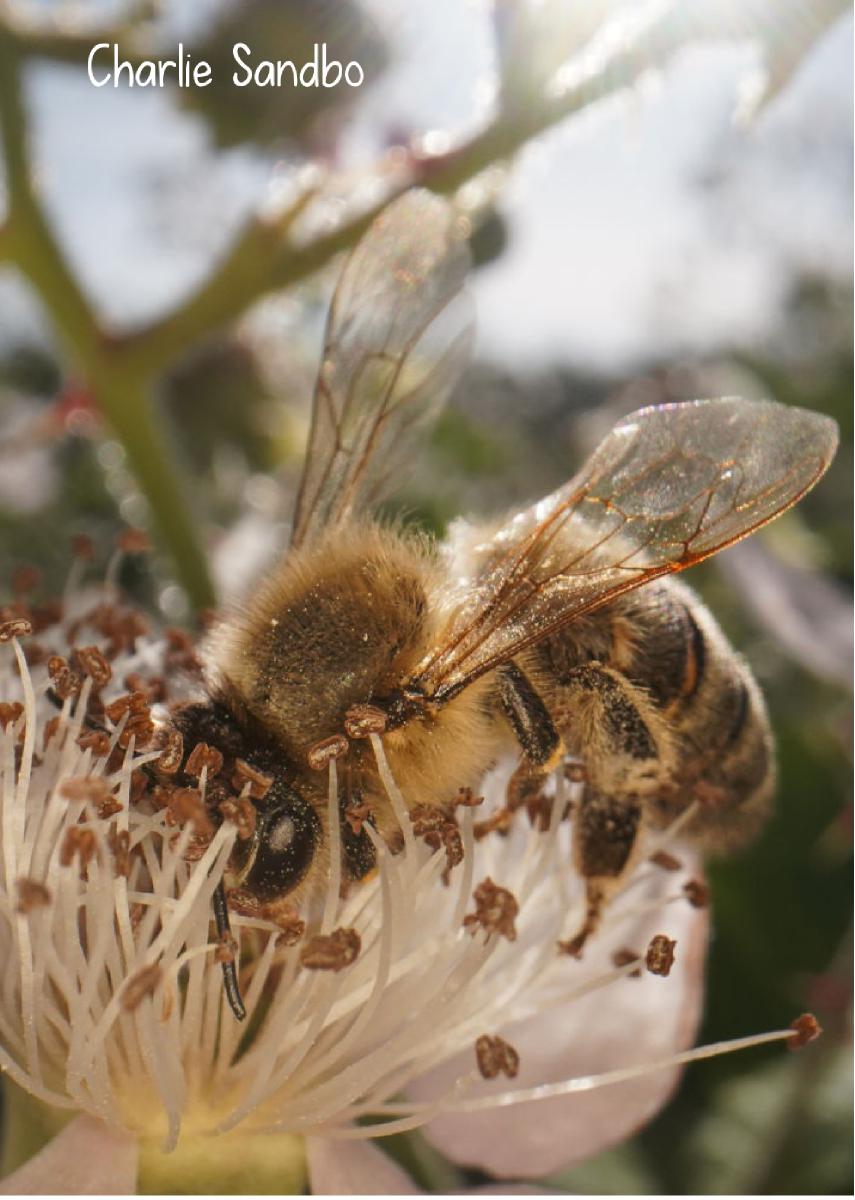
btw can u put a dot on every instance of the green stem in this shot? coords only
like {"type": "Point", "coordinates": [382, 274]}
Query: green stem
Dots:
{"type": "Point", "coordinates": [124, 396]}
{"type": "Point", "coordinates": [128, 404]}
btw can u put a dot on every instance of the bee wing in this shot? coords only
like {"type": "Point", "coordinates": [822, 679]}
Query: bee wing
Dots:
{"type": "Point", "coordinates": [668, 487]}
{"type": "Point", "coordinates": [398, 336]}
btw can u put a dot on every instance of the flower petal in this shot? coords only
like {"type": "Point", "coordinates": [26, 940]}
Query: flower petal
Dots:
{"type": "Point", "coordinates": [347, 1168]}
{"type": "Point", "coordinates": [86, 1158]}
{"type": "Point", "coordinates": [629, 1022]}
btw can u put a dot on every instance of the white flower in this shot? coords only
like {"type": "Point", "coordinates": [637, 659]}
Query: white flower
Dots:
{"type": "Point", "coordinates": [112, 1002]}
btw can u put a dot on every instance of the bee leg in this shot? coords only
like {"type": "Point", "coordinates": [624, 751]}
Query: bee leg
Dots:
{"type": "Point", "coordinates": [224, 933]}
{"type": "Point", "coordinates": [536, 733]}
{"type": "Point", "coordinates": [529, 718]}
{"type": "Point", "coordinates": [605, 829]}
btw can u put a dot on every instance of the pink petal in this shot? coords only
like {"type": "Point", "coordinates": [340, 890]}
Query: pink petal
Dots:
{"type": "Point", "coordinates": [86, 1158]}
{"type": "Point", "coordinates": [629, 1022]}
{"type": "Point", "coordinates": [344, 1168]}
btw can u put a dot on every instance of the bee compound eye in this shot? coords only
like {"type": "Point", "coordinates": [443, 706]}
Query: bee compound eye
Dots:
{"type": "Point", "coordinates": [283, 847]}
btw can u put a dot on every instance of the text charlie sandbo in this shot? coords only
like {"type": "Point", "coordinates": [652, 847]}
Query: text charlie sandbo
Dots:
{"type": "Point", "coordinates": [106, 66]}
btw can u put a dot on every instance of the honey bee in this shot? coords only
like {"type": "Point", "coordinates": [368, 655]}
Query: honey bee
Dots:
{"type": "Point", "coordinates": [556, 632]}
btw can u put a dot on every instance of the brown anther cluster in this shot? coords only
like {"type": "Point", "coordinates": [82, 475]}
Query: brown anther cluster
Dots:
{"type": "Point", "coordinates": [9, 713]}
{"type": "Point", "coordinates": [139, 785]}
{"type": "Point", "coordinates": [806, 1029]}
{"type": "Point", "coordinates": [154, 686]}
{"type": "Point", "coordinates": [291, 927]}
{"type": "Point", "coordinates": [92, 662]}
{"type": "Point", "coordinates": [31, 895]}
{"type": "Point", "coordinates": [361, 720]}
{"type": "Point", "coordinates": [133, 541]}
{"type": "Point", "coordinates": [138, 723]}
{"type": "Point", "coordinates": [95, 740]}
{"type": "Point", "coordinates": [574, 772]}
{"type": "Point", "coordinates": [242, 813]}
{"type": "Point", "coordinates": [78, 843]}
{"type": "Point", "coordinates": [185, 804]}
{"type": "Point", "coordinates": [331, 952]}
{"type": "Point", "coordinates": [697, 893]}
{"type": "Point", "coordinates": [118, 626]}
{"type": "Point", "coordinates": [437, 826]}
{"type": "Point", "coordinates": [259, 783]}
{"type": "Point", "coordinates": [659, 958]}
{"type": "Point", "coordinates": [196, 846]}
{"type": "Point", "coordinates": [91, 789]}
{"type": "Point", "coordinates": [15, 627]}
{"type": "Point", "coordinates": [170, 742]}
{"type": "Point", "coordinates": [625, 956]}
{"type": "Point", "coordinates": [140, 985]}
{"type": "Point", "coordinates": [65, 681]}
{"type": "Point", "coordinates": [496, 910]}
{"type": "Point", "coordinates": [539, 811]}
{"type": "Point", "coordinates": [119, 841]}
{"type": "Point", "coordinates": [201, 756]}
{"type": "Point", "coordinates": [495, 1057]}
{"type": "Point", "coordinates": [49, 731]}
{"type": "Point", "coordinates": [322, 752]}
{"type": "Point", "coordinates": [499, 822]}
{"type": "Point", "coordinates": [666, 861]}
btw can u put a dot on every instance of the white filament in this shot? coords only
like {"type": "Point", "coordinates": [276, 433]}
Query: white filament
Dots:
{"type": "Point", "coordinates": [330, 1046]}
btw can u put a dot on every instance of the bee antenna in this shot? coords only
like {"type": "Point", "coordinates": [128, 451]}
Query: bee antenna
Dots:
{"type": "Point", "coordinates": [224, 933]}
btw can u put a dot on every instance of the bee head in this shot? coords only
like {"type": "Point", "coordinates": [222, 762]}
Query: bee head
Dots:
{"type": "Point", "coordinates": [276, 859]}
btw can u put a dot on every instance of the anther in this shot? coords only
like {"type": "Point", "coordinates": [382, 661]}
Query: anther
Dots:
{"type": "Point", "coordinates": [172, 741]}
{"type": "Point", "coordinates": [78, 843]}
{"type": "Point", "coordinates": [242, 813]}
{"type": "Point", "coordinates": [496, 910]}
{"type": "Point", "coordinates": [92, 662]}
{"type": "Point", "coordinates": [806, 1029]}
{"type": "Point", "coordinates": [17, 627]}
{"type": "Point", "coordinates": [659, 958]}
{"type": "Point", "coordinates": [331, 952]}
{"type": "Point", "coordinates": [202, 756]}
{"type": "Point", "coordinates": [666, 861]}
{"type": "Point", "coordinates": [9, 713]}
{"type": "Point", "coordinates": [361, 720]}
{"type": "Point", "coordinates": [697, 893]}
{"type": "Point", "coordinates": [259, 783]}
{"type": "Point", "coordinates": [319, 755]}
{"type": "Point", "coordinates": [495, 1057]}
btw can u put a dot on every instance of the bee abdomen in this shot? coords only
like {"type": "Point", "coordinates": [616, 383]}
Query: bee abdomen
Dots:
{"type": "Point", "coordinates": [724, 760]}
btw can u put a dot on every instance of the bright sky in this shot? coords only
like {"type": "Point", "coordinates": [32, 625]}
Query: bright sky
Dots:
{"type": "Point", "coordinates": [650, 226]}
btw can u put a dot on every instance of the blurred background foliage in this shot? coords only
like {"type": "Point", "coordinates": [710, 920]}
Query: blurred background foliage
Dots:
{"type": "Point", "coordinates": [222, 368]}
